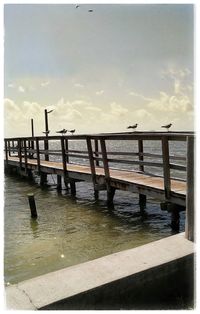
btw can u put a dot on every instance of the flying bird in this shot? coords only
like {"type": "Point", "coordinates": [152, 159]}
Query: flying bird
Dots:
{"type": "Point", "coordinates": [63, 131]}
{"type": "Point", "coordinates": [167, 126]}
{"type": "Point", "coordinates": [132, 126]}
{"type": "Point", "coordinates": [90, 10]}
{"type": "Point", "coordinates": [72, 131]}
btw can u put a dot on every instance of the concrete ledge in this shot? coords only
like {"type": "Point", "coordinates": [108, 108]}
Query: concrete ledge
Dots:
{"type": "Point", "coordinates": [91, 284]}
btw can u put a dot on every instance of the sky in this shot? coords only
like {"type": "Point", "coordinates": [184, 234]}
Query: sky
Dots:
{"type": "Point", "coordinates": [99, 71]}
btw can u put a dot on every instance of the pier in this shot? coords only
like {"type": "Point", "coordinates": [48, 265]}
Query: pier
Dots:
{"type": "Point", "coordinates": [151, 272]}
{"type": "Point", "coordinates": [146, 172]}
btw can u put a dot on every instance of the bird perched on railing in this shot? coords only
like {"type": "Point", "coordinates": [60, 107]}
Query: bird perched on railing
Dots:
{"type": "Point", "coordinates": [72, 131]}
{"type": "Point", "coordinates": [167, 126]}
{"type": "Point", "coordinates": [63, 131]}
{"type": "Point", "coordinates": [132, 126]}
{"type": "Point", "coordinates": [46, 132]}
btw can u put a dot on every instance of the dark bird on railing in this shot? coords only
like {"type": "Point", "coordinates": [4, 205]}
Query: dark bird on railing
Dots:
{"type": "Point", "coordinates": [132, 126]}
{"type": "Point", "coordinates": [63, 131]}
{"type": "Point", "coordinates": [72, 131]}
{"type": "Point", "coordinates": [167, 126]}
{"type": "Point", "coordinates": [46, 132]}
{"type": "Point", "coordinates": [90, 10]}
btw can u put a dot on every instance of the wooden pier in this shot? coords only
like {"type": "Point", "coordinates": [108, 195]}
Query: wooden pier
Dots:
{"type": "Point", "coordinates": [101, 165]}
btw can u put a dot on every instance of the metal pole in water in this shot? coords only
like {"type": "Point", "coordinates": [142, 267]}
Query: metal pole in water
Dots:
{"type": "Point", "coordinates": [32, 205]}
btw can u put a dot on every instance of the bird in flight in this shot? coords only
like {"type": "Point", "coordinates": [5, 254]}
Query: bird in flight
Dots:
{"type": "Point", "coordinates": [63, 131]}
{"type": "Point", "coordinates": [132, 126]}
{"type": "Point", "coordinates": [167, 126]}
{"type": "Point", "coordinates": [46, 132]}
{"type": "Point", "coordinates": [72, 131]}
{"type": "Point", "coordinates": [77, 6]}
{"type": "Point", "coordinates": [90, 10]}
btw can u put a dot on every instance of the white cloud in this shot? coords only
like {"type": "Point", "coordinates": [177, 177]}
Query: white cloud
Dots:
{"type": "Point", "coordinates": [11, 85]}
{"type": "Point", "coordinates": [140, 96]}
{"type": "Point", "coordinates": [117, 110]}
{"type": "Point", "coordinates": [78, 85]}
{"type": "Point", "coordinates": [44, 84]}
{"type": "Point", "coordinates": [100, 92]}
{"type": "Point", "coordinates": [21, 89]}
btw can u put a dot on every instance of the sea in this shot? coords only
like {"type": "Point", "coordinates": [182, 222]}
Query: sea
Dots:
{"type": "Point", "coordinates": [72, 230]}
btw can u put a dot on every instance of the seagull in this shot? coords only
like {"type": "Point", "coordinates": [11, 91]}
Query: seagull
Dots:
{"type": "Point", "coordinates": [90, 10]}
{"type": "Point", "coordinates": [72, 131]}
{"type": "Point", "coordinates": [77, 6]}
{"type": "Point", "coordinates": [167, 126]}
{"type": "Point", "coordinates": [63, 131]}
{"type": "Point", "coordinates": [46, 132]}
{"type": "Point", "coordinates": [132, 126]}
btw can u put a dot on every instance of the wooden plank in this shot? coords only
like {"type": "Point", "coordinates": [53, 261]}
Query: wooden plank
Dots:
{"type": "Point", "coordinates": [67, 150]}
{"type": "Point", "coordinates": [190, 210]}
{"type": "Point", "coordinates": [6, 150]}
{"type": "Point", "coordinates": [25, 156]}
{"type": "Point", "coordinates": [136, 162]}
{"type": "Point", "coordinates": [96, 149]}
{"type": "Point", "coordinates": [166, 167]}
{"type": "Point", "coordinates": [20, 153]}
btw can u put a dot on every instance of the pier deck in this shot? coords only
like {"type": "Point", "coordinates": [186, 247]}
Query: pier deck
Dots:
{"type": "Point", "coordinates": [126, 180]}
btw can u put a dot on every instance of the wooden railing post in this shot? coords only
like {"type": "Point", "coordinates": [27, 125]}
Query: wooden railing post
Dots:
{"type": "Point", "coordinates": [9, 149]}
{"type": "Point", "coordinates": [110, 189]}
{"type": "Point", "coordinates": [96, 148]}
{"type": "Point", "coordinates": [25, 156]}
{"type": "Point", "coordinates": [38, 154]}
{"type": "Point", "coordinates": [67, 148]}
{"type": "Point", "coordinates": [62, 143]}
{"type": "Point", "coordinates": [166, 166]}
{"type": "Point", "coordinates": [6, 151]}
{"type": "Point", "coordinates": [190, 223]}
{"type": "Point", "coordinates": [91, 159]}
{"type": "Point", "coordinates": [20, 153]}
{"type": "Point", "coordinates": [140, 151]}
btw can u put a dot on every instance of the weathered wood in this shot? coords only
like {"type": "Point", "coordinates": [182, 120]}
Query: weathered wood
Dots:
{"type": "Point", "coordinates": [140, 151]}
{"type": "Point", "coordinates": [25, 156]}
{"type": "Point", "coordinates": [166, 167]}
{"type": "Point", "coordinates": [142, 201]}
{"type": "Point", "coordinates": [6, 150]}
{"type": "Point", "coordinates": [73, 188]}
{"type": "Point", "coordinates": [190, 206]}
{"type": "Point", "coordinates": [105, 158]}
{"type": "Point", "coordinates": [110, 195]}
{"type": "Point", "coordinates": [175, 219]}
{"type": "Point", "coordinates": [59, 182]}
{"type": "Point", "coordinates": [67, 150]}
{"type": "Point", "coordinates": [38, 155]}
{"type": "Point", "coordinates": [20, 153]}
{"type": "Point", "coordinates": [91, 159]}
{"type": "Point", "coordinates": [63, 156]}
{"type": "Point", "coordinates": [96, 148]}
{"type": "Point", "coordinates": [32, 205]}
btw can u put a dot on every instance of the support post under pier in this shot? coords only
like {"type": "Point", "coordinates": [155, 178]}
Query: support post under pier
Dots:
{"type": "Point", "coordinates": [142, 201]}
{"type": "Point", "coordinates": [59, 182]}
{"type": "Point", "coordinates": [110, 195]}
{"type": "Point", "coordinates": [73, 188]}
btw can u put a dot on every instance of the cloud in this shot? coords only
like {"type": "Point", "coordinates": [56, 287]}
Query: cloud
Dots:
{"type": "Point", "coordinates": [140, 96]}
{"type": "Point", "coordinates": [78, 85]}
{"type": "Point", "coordinates": [44, 84]}
{"type": "Point", "coordinates": [100, 92]}
{"type": "Point", "coordinates": [21, 89]}
{"type": "Point", "coordinates": [117, 110]}
{"type": "Point", "coordinates": [11, 85]}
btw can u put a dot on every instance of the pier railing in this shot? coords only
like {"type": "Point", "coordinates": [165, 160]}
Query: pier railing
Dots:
{"type": "Point", "coordinates": [144, 152]}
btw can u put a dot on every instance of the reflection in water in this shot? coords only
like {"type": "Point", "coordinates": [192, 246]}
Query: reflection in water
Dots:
{"type": "Point", "coordinates": [34, 227]}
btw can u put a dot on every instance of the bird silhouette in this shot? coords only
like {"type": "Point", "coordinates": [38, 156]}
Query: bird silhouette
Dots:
{"type": "Point", "coordinates": [90, 10]}
{"type": "Point", "coordinates": [46, 132]}
{"type": "Point", "coordinates": [132, 126]}
{"type": "Point", "coordinates": [63, 131]}
{"type": "Point", "coordinates": [72, 131]}
{"type": "Point", "coordinates": [167, 126]}
{"type": "Point", "coordinates": [77, 6]}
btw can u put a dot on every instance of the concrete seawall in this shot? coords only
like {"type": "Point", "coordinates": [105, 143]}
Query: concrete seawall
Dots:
{"type": "Point", "coordinates": [145, 277]}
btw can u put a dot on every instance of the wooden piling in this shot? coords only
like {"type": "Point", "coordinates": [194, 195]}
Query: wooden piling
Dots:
{"type": "Point", "coordinates": [142, 201]}
{"type": "Point", "coordinates": [140, 151]}
{"type": "Point", "coordinates": [32, 205]}
{"type": "Point", "coordinates": [175, 219]}
{"type": "Point", "coordinates": [59, 182]}
{"type": "Point", "coordinates": [166, 167]}
{"type": "Point", "coordinates": [110, 196]}
{"type": "Point", "coordinates": [73, 188]}
{"type": "Point", "coordinates": [190, 210]}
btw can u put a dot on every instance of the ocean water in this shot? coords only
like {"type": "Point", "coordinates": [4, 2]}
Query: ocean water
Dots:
{"type": "Point", "coordinates": [71, 230]}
